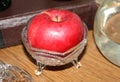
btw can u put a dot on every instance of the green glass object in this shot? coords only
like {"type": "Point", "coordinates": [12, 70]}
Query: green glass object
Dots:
{"type": "Point", "coordinates": [4, 4]}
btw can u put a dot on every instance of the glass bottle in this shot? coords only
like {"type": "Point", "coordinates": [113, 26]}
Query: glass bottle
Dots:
{"type": "Point", "coordinates": [107, 30]}
{"type": "Point", "coordinates": [4, 4]}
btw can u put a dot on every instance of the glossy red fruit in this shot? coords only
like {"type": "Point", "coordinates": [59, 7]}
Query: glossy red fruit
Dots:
{"type": "Point", "coordinates": [55, 30]}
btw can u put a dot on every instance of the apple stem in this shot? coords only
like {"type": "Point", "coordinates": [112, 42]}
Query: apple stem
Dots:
{"type": "Point", "coordinates": [57, 18]}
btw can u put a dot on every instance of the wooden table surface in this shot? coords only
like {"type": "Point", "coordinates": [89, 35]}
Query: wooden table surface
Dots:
{"type": "Point", "coordinates": [95, 68]}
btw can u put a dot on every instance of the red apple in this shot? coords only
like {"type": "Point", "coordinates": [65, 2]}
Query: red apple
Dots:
{"type": "Point", "coordinates": [55, 30]}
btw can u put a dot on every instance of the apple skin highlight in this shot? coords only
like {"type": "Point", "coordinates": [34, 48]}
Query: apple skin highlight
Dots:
{"type": "Point", "coordinates": [55, 30]}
